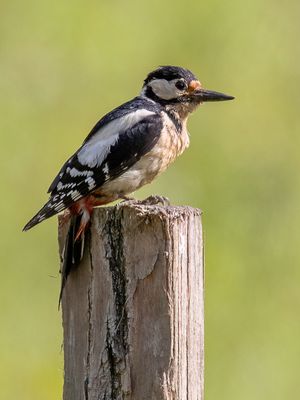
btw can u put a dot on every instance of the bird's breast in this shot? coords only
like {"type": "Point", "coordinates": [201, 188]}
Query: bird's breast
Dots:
{"type": "Point", "coordinates": [170, 145]}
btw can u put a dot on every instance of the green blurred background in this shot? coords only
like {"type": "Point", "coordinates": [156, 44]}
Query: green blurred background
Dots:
{"type": "Point", "coordinates": [62, 66]}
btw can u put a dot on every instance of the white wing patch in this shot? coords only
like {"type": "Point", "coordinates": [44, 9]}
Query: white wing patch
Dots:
{"type": "Point", "coordinates": [96, 149]}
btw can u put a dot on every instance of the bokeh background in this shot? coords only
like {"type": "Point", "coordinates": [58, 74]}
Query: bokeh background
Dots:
{"type": "Point", "coordinates": [63, 65]}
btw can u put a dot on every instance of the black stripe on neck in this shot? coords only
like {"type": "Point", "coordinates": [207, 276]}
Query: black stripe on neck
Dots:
{"type": "Point", "coordinates": [173, 115]}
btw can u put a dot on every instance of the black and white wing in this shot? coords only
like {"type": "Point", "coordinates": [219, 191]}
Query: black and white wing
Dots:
{"type": "Point", "coordinates": [116, 143]}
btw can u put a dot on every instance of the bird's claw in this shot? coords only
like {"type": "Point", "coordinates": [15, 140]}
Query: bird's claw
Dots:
{"type": "Point", "coordinates": [128, 200]}
{"type": "Point", "coordinates": [154, 200]}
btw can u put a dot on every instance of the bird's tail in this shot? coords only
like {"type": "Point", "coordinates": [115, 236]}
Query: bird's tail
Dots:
{"type": "Point", "coordinates": [53, 206]}
{"type": "Point", "coordinates": [74, 248]}
{"type": "Point", "coordinates": [75, 240]}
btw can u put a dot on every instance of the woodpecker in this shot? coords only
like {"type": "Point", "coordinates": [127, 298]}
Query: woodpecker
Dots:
{"type": "Point", "coordinates": [125, 150]}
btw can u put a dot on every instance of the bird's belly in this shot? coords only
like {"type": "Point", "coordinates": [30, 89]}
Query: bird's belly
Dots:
{"type": "Point", "coordinates": [169, 146]}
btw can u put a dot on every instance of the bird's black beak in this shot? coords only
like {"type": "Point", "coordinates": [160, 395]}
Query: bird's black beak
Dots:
{"type": "Point", "coordinates": [209, 95]}
{"type": "Point", "coordinates": [197, 93]}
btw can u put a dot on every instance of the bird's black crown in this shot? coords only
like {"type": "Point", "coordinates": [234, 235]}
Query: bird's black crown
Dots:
{"type": "Point", "coordinates": [169, 72]}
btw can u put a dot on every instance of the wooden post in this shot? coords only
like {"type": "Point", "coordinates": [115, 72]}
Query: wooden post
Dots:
{"type": "Point", "coordinates": [133, 309]}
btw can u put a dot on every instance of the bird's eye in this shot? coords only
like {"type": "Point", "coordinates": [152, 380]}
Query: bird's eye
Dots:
{"type": "Point", "coordinates": [181, 85]}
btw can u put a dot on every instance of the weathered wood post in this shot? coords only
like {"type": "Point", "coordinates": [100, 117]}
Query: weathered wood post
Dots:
{"type": "Point", "coordinates": [133, 310]}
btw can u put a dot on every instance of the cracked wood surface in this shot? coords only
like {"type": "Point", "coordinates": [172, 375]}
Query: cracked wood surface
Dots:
{"type": "Point", "coordinates": [133, 310]}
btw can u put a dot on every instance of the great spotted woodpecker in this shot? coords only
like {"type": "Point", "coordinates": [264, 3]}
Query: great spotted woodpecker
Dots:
{"type": "Point", "coordinates": [125, 150]}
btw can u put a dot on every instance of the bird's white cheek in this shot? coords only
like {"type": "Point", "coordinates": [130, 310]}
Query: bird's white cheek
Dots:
{"type": "Point", "coordinates": [165, 89]}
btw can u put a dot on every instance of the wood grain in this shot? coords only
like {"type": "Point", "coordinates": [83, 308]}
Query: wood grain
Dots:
{"type": "Point", "coordinates": [133, 310]}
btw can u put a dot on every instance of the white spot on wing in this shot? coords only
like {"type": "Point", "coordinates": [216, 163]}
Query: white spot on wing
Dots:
{"type": "Point", "coordinates": [61, 186]}
{"type": "Point", "coordinates": [91, 182]}
{"type": "Point", "coordinates": [57, 205]}
{"type": "Point", "coordinates": [97, 147]}
{"type": "Point", "coordinates": [105, 168]}
{"type": "Point", "coordinates": [74, 172]}
{"type": "Point", "coordinates": [75, 194]}
{"type": "Point", "coordinates": [106, 171]}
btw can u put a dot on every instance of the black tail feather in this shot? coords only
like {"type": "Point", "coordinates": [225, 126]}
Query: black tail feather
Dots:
{"type": "Point", "coordinates": [73, 251]}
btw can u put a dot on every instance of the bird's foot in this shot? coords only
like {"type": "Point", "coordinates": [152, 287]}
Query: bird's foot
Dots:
{"type": "Point", "coordinates": [154, 200]}
{"type": "Point", "coordinates": [128, 198]}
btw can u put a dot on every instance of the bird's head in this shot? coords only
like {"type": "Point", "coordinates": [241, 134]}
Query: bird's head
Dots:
{"type": "Point", "coordinates": [169, 85]}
